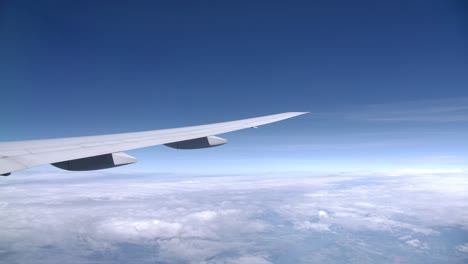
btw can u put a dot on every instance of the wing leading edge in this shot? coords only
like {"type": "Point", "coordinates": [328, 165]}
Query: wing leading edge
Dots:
{"type": "Point", "coordinates": [21, 155]}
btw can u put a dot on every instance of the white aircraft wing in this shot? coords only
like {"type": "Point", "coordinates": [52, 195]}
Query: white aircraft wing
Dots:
{"type": "Point", "coordinates": [105, 151]}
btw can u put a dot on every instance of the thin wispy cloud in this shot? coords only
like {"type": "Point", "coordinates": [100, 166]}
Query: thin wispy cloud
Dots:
{"type": "Point", "coordinates": [439, 111]}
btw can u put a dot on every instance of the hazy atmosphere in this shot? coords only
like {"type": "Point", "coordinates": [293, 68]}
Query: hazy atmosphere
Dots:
{"type": "Point", "coordinates": [376, 173]}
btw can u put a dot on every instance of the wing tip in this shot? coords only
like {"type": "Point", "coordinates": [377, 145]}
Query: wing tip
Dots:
{"type": "Point", "coordinates": [297, 113]}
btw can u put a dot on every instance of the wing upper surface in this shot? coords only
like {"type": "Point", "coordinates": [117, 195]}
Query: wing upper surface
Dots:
{"type": "Point", "coordinates": [24, 154]}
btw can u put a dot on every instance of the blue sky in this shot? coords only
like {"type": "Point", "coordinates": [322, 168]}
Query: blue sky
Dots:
{"type": "Point", "coordinates": [385, 81]}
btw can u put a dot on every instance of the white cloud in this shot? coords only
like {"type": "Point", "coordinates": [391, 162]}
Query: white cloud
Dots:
{"type": "Point", "coordinates": [322, 214]}
{"type": "Point", "coordinates": [130, 229]}
{"type": "Point", "coordinates": [247, 260]}
{"type": "Point", "coordinates": [205, 215]}
{"type": "Point", "coordinates": [225, 219]}
{"type": "Point", "coordinates": [417, 244]}
{"type": "Point", "coordinates": [307, 225]}
{"type": "Point", "coordinates": [463, 248]}
{"type": "Point", "coordinates": [420, 171]}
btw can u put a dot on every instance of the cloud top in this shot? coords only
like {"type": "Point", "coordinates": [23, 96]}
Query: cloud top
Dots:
{"type": "Point", "coordinates": [233, 219]}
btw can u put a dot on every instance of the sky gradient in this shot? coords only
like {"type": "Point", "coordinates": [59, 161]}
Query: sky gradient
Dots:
{"type": "Point", "coordinates": [376, 173]}
{"type": "Point", "coordinates": [385, 81]}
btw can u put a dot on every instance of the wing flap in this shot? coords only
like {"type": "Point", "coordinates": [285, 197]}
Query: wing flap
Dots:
{"type": "Point", "coordinates": [8, 165]}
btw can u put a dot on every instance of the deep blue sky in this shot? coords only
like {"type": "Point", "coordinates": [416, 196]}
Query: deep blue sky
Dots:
{"type": "Point", "coordinates": [71, 68]}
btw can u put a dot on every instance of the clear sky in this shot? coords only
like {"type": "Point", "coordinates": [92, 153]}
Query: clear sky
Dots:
{"type": "Point", "coordinates": [386, 82]}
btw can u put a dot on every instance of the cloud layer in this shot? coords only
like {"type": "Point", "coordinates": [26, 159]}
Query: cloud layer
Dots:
{"type": "Point", "coordinates": [342, 218]}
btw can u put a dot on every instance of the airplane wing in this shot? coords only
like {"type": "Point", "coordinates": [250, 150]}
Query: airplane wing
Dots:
{"type": "Point", "coordinates": [105, 151]}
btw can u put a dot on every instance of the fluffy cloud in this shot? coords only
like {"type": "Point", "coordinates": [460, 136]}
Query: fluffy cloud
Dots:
{"type": "Point", "coordinates": [463, 248]}
{"type": "Point", "coordinates": [230, 219]}
{"type": "Point", "coordinates": [417, 244]}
